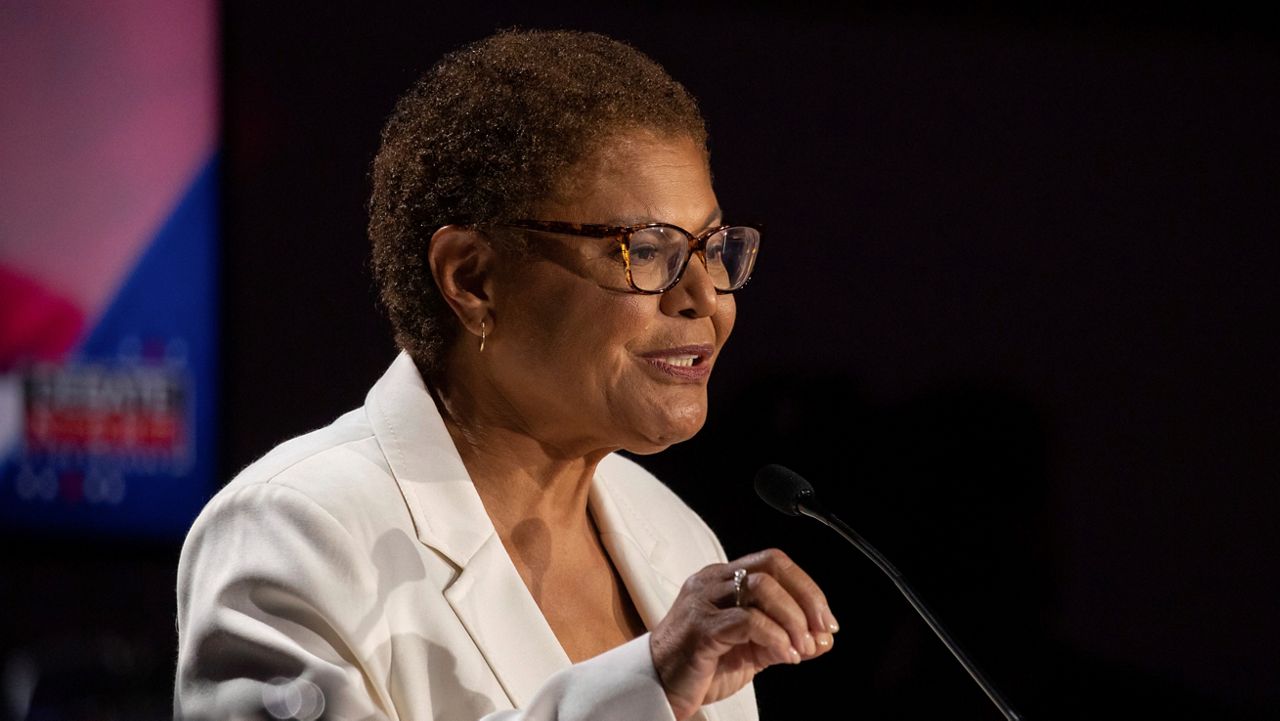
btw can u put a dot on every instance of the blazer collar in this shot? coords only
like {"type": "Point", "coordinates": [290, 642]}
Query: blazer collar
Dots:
{"type": "Point", "coordinates": [487, 594]}
{"type": "Point", "coordinates": [447, 512]}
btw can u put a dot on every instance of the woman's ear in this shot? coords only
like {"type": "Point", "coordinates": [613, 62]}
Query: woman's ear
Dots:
{"type": "Point", "coordinates": [462, 261]}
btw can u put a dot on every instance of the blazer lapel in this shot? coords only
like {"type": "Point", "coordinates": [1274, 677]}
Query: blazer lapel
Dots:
{"type": "Point", "coordinates": [505, 622]}
{"type": "Point", "coordinates": [639, 553]}
{"type": "Point", "coordinates": [488, 595]}
{"type": "Point", "coordinates": [446, 510]}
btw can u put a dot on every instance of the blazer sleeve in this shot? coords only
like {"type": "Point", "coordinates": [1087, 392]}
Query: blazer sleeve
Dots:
{"type": "Point", "coordinates": [277, 605]}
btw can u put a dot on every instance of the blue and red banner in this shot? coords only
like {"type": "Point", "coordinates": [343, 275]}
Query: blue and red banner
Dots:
{"type": "Point", "coordinates": [108, 264]}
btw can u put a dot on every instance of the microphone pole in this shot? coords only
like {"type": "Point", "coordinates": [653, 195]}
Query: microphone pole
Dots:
{"type": "Point", "coordinates": [791, 494]}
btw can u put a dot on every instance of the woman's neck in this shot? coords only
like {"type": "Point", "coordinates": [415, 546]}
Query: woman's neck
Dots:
{"type": "Point", "coordinates": [537, 496]}
{"type": "Point", "coordinates": [520, 478]}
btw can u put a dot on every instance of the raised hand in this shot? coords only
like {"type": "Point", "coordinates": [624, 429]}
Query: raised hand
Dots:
{"type": "Point", "coordinates": [733, 620]}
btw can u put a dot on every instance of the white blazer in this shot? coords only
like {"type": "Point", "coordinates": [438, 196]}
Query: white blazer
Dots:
{"type": "Point", "coordinates": [360, 559]}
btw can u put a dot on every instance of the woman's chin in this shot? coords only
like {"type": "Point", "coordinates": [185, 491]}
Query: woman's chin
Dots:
{"type": "Point", "coordinates": [676, 430]}
{"type": "Point", "coordinates": [648, 448]}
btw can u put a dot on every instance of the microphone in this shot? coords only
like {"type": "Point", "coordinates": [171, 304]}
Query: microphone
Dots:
{"type": "Point", "coordinates": [788, 492]}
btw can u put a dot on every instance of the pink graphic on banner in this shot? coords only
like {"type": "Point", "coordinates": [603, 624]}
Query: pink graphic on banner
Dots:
{"type": "Point", "coordinates": [35, 324]}
{"type": "Point", "coordinates": [108, 114]}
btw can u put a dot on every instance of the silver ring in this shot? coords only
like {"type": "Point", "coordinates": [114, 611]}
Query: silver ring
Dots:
{"type": "Point", "coordinates": [739, 579]}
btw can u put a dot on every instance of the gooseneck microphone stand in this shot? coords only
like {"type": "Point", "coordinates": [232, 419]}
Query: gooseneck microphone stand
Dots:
{"type": "Point", "coordinates": [788, 492]}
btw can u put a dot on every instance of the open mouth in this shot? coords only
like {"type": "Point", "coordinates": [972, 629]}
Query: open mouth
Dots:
{"type": "Point", "coordinates": [684, 362]}
{"type": "Point", "coordinates": [681, 361]}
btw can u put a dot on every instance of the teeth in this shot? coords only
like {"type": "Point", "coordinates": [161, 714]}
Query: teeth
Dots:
{"type": "Point", "coordinates": [683, 361]}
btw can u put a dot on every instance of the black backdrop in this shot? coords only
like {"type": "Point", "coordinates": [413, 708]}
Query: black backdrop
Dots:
{"type": "Point", "coordinates": [1015, 318]}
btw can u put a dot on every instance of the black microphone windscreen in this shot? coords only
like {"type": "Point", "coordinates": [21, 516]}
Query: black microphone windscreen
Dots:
{"type": "Point", "coordinates": [782, 488]}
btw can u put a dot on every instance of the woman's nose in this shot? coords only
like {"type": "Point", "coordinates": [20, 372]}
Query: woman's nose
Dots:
{"type": "Point", "coordinates": [695, 295]}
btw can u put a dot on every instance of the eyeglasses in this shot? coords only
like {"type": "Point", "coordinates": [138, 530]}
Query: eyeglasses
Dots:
{"type": "Point", "coordinates": [656, 254]}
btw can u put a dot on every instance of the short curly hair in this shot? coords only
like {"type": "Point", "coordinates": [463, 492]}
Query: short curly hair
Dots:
{"type": "Point", "coordinates": [488, 133]}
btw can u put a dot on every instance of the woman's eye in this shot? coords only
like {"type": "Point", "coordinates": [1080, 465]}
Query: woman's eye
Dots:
{"type": "Point", "coordinates": [643, 253]}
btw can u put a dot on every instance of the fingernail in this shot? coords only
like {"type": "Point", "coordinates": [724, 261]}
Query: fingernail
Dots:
{"type": "Point", "coordinates": [832, 626]}
{"type": "Point", "coordinates": [810, 647]}
{"type": "Point", "coordinates": [823, 639]}
{"type": "Point", "coordinates": [795, 655]}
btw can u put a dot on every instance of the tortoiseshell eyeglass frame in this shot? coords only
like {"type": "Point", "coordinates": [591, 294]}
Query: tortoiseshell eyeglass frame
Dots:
{"type": "Point", "coordinates": [697, 244]}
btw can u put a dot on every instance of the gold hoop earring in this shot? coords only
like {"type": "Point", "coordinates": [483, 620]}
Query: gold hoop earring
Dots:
{"type": "Point", "coordinates": [482, 336]}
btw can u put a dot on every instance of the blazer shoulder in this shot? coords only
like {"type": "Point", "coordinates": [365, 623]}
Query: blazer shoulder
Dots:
{"type": "Point", "coordinates": [327, 441]}
{"type": "Point", "coordinates": [340, 468]}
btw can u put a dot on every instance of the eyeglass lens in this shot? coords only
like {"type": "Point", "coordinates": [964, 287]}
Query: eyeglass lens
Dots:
{"type": "Point", "coordinates": [657, 256]}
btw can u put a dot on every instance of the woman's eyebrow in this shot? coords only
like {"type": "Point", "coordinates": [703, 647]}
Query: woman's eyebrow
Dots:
{"type": "Point", "coordinates": [716, 218]}
{"type": "Point", "coordinates": [712, 220]}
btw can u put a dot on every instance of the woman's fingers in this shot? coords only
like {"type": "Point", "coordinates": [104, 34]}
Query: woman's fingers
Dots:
{"type": "Point", "coordinates": [732, 620]}
{"type": "Point", "coordinates": [798, 585]}
{"type": "Point", "coordinates": [751, 625]}
{"type": "Point", "coordinates": [765, 593]}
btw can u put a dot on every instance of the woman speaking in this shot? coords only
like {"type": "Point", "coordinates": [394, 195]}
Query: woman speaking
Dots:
{"type": "Point", "coordinates": [468, 543]}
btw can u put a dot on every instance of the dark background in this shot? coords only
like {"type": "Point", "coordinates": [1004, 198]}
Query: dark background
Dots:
{"type": "Point", "coordinates": [1015, 318]}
